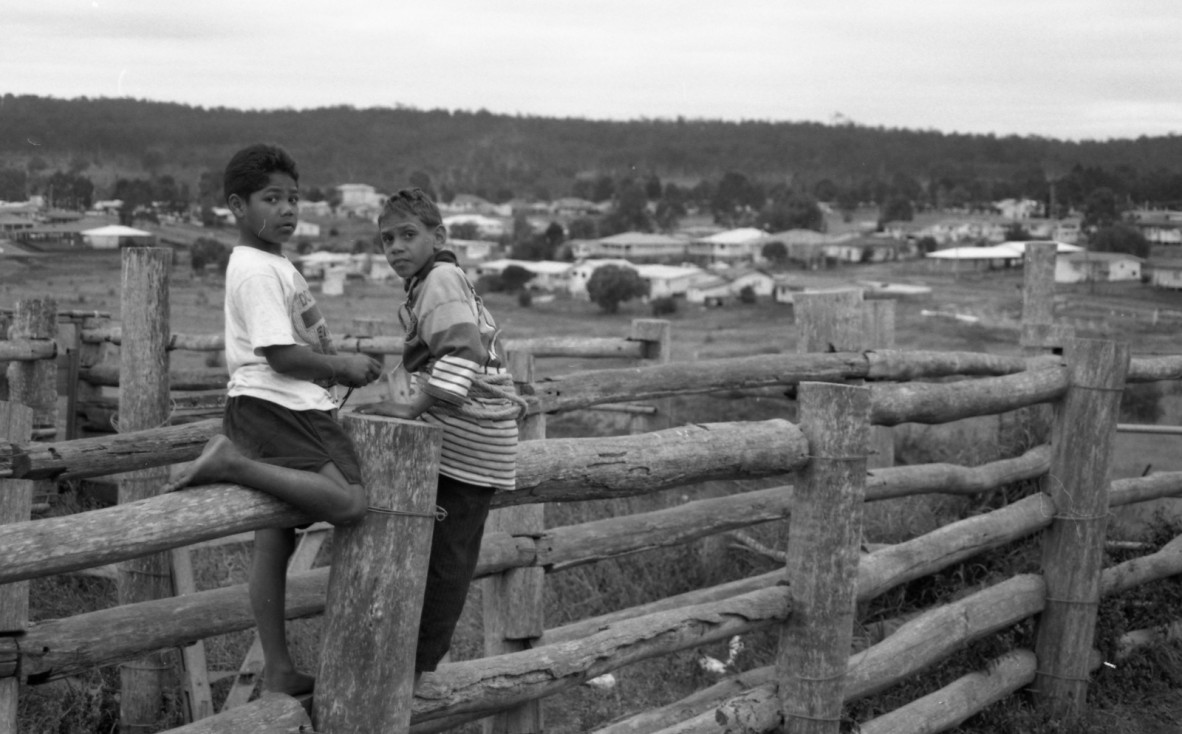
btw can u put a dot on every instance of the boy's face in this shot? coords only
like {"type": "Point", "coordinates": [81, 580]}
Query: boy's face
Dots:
{"type": "Point", "coordinates": [268, 217]}
{"type": "Point", "coordinates": [408, 244]}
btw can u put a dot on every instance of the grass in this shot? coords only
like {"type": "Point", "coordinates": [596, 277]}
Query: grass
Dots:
{"type": "Point", "coordinates": [1130, 695]}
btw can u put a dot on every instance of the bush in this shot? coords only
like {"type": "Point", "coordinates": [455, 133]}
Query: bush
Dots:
{"type": "Point", "coordinates": [747, 294]}
{"type": "Point", "coordinates": [611, 285]}
{"type": "Point", "coordinates": [525, 299]}
{"type": "Point", "coordinates": [664, 306]}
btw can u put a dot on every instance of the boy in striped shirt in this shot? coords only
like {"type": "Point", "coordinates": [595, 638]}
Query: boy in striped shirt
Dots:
{"type": "Point", "coordinates": [451, 351]}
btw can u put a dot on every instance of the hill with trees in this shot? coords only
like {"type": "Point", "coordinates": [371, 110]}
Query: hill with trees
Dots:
{"type": "Point", "coordinates": [107, 148]}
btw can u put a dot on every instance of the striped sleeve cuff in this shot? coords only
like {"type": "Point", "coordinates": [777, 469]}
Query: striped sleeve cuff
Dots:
{"type": "Point", "coordinates": [451, 378]}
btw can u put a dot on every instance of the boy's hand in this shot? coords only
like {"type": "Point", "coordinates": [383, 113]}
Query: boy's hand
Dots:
{"type": "Point", "coordinates": [357, 370]}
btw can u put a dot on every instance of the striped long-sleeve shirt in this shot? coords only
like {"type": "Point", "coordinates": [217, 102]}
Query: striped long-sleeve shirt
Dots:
{"type": "Point", "coordinates": [451, 340]}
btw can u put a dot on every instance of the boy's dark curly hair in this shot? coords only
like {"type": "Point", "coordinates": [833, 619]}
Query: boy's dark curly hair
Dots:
{"type": "Point", "coordinates": [412, 203]}
{"type": "Point", "coordinates": [250, 168]}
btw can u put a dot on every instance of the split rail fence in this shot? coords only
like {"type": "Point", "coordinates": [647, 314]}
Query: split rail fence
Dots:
{"type": "Point", "coordinates": [842, 396]}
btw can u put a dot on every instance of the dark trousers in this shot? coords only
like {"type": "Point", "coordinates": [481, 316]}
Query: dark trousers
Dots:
{"type": "Point", "coordinates": [455, 548]}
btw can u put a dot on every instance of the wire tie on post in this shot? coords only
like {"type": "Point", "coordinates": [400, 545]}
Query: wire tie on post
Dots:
{"type": "Point", "coordinates": [438, 514]}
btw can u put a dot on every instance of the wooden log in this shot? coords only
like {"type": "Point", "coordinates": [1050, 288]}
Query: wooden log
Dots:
{"type": "Point", "coordinates": [27, 350]}
{"type": "Point", "coordinates": [942, 478]}
{"type": "Point", "coordinates": [273, 713]}
{"type": "Point", "coordinates": [35, 383]}
{"type": "Point", "coordinates": [98, 537]}
{"type": "Point", "coordinates": [1142, 489]}
{"type": "Point", "coordinates": [902, 366]}
{"type": "Point", "coordinates": [107, 375]}
{"type": "Point", "coordinates": [1073, 549]}
{"type": "Point", "coordinates": [916, 646]}
{"type": "Point", "coordinates": [1038, 298]}
{"type": "Point", "coordinates": [570, 469]}
{"type": "Point", "coordinates": [513, 601]}
{"type": "Point", "coordinates": [563, 548]}
{"type": "Point", "coordinates": [948, 707]}
{"type": "Point", "coordinates": [1155, 368]}
{"type": "Point", "coordinates": [492, 684]}
{"type": "Point", "coordinates": [695, 711]}
{"type": "Point", "coordinates": [143, 404]}
{"type": "Point", "coordinates": [897, 564]}
{"type": "Point", "coordinates": [577, 346]}
{"type": "Point", "coordinates": [16, 502]}
{"type": "Point", "coordinates": [103, 455]}
{"type": "Point", "coordinates": [946, 402]}
{"type": "Point", "coordinates": [822, 569]}
{"type": "Point", "coordinates": [375, 589]}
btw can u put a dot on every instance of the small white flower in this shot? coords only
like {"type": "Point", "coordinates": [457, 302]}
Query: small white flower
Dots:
{"type": "Point", "coordinates": [604, 682]}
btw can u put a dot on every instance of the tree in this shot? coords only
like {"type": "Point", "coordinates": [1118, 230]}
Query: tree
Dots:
{"type": "Point", "coordinates": [775, 252]}
{"type": "Point", "coordinates": [1101, 209]}
{"type": "Point", "coordinates": [514, 277]}
{"type": "Point", "coordinates": [611, 285]}
{"type": "Point", "coordinates": [1015, 232]}
{"type": "Point", "coordinates": [896, 209]}
{"type": "Point", "coordinates": [734, 196]}
{"type": "Point", "coordinates": [583, 228]}
{"type": "Point", "coordinates": [1119, 238]}
{"type": "Point", "coordinates": [629, 210]}
{"type": "Point", "coordinates": [12, 184]}
{"type": "Point", "coordinates": [792, 211]}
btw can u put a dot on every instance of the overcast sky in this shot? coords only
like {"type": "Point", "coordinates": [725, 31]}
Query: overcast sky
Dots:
{"type": "Point", "coordinates": [1068, 69]}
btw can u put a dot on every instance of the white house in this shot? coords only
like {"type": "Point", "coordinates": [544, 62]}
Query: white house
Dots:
{"type": "Point", "coordinates": [486, 226]}
{"type": "Point", "coordinates": [1166, 273]}
{"type": "Point", "coordinates": [731, 246]}
{"type": "Point", "coordinates": [670, 280]}
{"type": "Point", "coordinates": [728, 284]}
{"type": "Point", "coordinates": [549, 275]}
{"type": "Point", "coordinates": [637, 247]}
{"type": "Point", "coordinates": [1097, 267]}
{"type": "Point", "coordinates": [581, 271]}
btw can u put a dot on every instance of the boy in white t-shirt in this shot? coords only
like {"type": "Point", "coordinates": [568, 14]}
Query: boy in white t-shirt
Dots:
{"type": "Point", "coordinates": [281, 433]}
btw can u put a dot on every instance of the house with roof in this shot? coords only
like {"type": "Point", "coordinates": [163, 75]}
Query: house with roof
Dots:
{"type": "Point", "coordinates": [490, 227]}
{"type": "Point", "coordinates": [11, 223]}
{"type": "Point", "coordinates": [670, 281]}
{"type": "Point", "coordinates": [727, 284]}
{"type": "Point", "coordinates": [1159, 227]}
{"type": "Point", "coordinates": [638, 247]}
{"type": "Point", "coordinates": [731, 246]}
{"type": "Point", "coordinates": [572, 207]}
{"type": "Point", "coordinates": [869, 249]}
{"type": "Point", "coordinates": [1165, 272]}
{"type": "Point", "coordinates": [549, 275]}
{"type": "Point", "coordinates": [470, 204]}
{"type": "Point", "coordinates": [1097, 267]}
{"type": "Point", "coordinates": [360, 200]}
{"type": "Point", "coordinates": [581, 271]}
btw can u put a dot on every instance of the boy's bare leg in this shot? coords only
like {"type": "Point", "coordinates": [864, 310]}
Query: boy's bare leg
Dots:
{"type": "Point", "coordinates": [326, 495]}
{"type": "Point", "coordinates": [268, 586]}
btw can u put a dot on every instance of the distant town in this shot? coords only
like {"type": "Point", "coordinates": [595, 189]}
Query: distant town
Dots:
{"type": "Point", "coordinates": [699, 261]}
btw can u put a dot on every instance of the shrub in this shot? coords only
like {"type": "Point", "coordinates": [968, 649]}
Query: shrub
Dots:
{"type": "Point", "coordinates": [525, 299]}
{"type": "Point", "coordinates": [611, 285]}
{"type": "Point", "coordinates": [664, 306]}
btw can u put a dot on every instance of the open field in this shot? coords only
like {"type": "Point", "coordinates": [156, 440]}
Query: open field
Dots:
{"type": "Point", "coordinates": [91, 281]}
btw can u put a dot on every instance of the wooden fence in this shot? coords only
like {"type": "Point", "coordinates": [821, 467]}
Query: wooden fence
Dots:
{"type": "Point", "coordinates": [841, 396]}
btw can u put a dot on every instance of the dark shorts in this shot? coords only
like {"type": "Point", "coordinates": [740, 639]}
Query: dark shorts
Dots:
{"type": "Point", "coordinates": [299, 439]}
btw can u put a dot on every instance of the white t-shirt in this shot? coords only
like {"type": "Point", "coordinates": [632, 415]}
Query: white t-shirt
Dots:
{"type": "Point", "coordinates": [268, 304]}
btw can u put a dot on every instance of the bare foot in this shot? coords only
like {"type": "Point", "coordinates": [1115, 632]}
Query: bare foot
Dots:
{"type": "Point", "coordinates": [292, 683]}
{"type": "Point", "coordinates": [210, 466]}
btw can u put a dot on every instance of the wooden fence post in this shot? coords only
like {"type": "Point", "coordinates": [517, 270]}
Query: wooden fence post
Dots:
{"type": "Point", "coordinates": [365, 683]}
{"type": "Point", "coordinates": [656, 335]}
{"type": "Point", "coordinates": [144, 404]}
{"type": "Point", "coordinates": [824, 538]}
{"type": "Point", "coordinates": [512, 601]}
{"type": "Point", "coordinates": [1073, 549]}
{"type": "Point", "coordinates": [1025, 428]}
{"type": "Point", "coordinates": [830, 321]}
{"type": "Point", "coordinates": [16, 502]}
{"type": "Point", "coordinates": [878, 332]}
{"type": "Point", "coordinates": [843, 321]}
